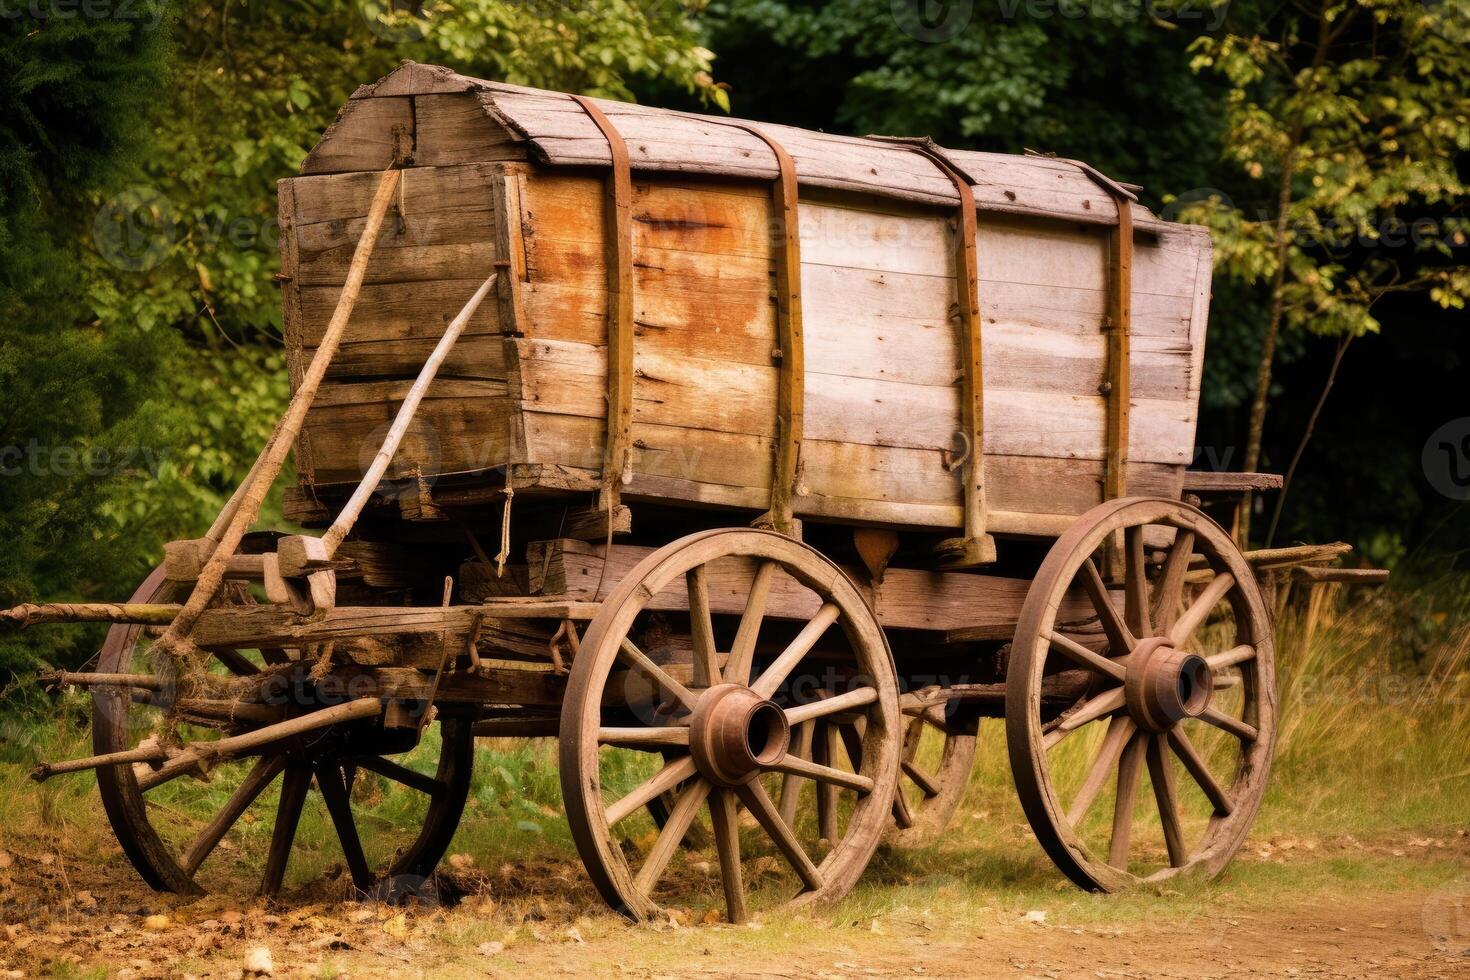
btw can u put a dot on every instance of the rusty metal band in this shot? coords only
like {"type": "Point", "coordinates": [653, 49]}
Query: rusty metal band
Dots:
{"type": "Point", "coordinates": [972, 378]}
{"type": "Point", "coordinates": [618, 234]}
{"type": "Point", "coordinates": [1117, 329]}
{"type": "Point", "coordinates": [791, 384]}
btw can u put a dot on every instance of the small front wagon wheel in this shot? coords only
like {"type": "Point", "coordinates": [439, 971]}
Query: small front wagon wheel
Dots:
{"type": "Point", "coordinates": [237, 831]}
{"type": "Point", "coordinates": [1169, 665]}
{"type": "Point", "coordinates": [701, 670]}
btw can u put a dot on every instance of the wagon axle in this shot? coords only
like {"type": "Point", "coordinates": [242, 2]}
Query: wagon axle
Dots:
{"type": "Point", "coordinates": [1162, 685]}
{"type": "Point", "coordinates": [734, 733]}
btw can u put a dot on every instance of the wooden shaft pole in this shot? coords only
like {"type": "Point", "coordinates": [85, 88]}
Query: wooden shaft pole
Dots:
{"type": "Point", "coordinates": [353, 509]}
{"type": "Point", "coordinates": [264, 473]}
{"type": "Point", "coordinates": [139, 613]}
{"type": "Point", "coordinates": [223, 748]}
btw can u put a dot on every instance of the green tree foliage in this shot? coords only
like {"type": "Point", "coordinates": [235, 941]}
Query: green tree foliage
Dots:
{"type": "Point", "coordinates": [138, 287]}
{"type": "Point", "coordinates": [1103, 81]}
{"type": "Point", "coordinates": [1349, 115]}
{"type": "Point", "coordinates": [79, 412]}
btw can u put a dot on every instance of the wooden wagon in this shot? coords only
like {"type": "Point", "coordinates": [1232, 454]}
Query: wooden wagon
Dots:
{"type": "Point", "coordinates": [756, 465]}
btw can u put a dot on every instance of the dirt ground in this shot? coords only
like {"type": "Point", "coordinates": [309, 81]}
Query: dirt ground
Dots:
{"type": "Point", "coordinates": [67, 916]}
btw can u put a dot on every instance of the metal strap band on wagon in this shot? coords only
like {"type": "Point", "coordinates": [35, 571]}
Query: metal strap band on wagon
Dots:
{"type": "Point", "coordinates": [618, 228]}
{"type": "Point", "coordinates": [791, 386]}
{"type": "Point", "coordinates": [976, 547]}
{"type": "Point", "coordinates": [1118, 330]}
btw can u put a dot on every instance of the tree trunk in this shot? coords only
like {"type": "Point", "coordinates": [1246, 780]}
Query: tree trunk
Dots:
{"type": "Point", "coordinates": [1268, 343]}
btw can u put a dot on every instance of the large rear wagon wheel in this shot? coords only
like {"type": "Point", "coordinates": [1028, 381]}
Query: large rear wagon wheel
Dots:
{"type": "Point", "coordinates": [1178, 666]}
{"type": "Point", "coordinates": [235, 831]}
{"type": "Point", "coordinates": [717, 730]}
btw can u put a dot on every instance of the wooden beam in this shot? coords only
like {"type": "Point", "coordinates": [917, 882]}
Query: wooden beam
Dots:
{"type": "Point", "coordinates": [907, 598]}
{"type": "Point", "coordinates": [1199, 481]}
{"type": "Point", "coordinates": [1351, 576]}
{"type": "Point", "coordinates": [277, 626]}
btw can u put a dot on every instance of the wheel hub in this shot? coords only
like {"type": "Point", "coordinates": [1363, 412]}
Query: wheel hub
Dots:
{"type": "Point", "coordinates": [1163, 685]}
{"type": "Point", "coordinates": [734, 733]}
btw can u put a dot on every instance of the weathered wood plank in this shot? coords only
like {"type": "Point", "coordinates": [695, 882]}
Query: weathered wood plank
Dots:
{"type": "Point", "coordinates": [906, 599]}
{"type": "Point", "coordinates": [363, 137]}
{"type": "Point", "coordinates": [454, 129]}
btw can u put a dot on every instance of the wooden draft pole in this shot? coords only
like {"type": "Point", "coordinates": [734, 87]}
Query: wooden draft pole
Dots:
{"type": "Point", "coordinates": [976, 546]}
{"type": "Point", "coordinates": [618, 232]}
{"type": "Point", "coordinates": [244, 506]}
{"type": "Point", "coordinates": [790, 352]}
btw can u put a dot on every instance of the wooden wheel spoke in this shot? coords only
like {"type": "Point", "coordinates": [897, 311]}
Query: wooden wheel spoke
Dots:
{"type": "Point", "coordinates": [824, 774]}
{"type": "Point", "coordinates": [775, 675]}
{"type": "Point", "coordinates": [639, 660]}
{"type": "Point", "coordinates": [926, 783]}
{"type": "Point", "coordinates": [651, 739]}
{"type": "Point", "coordinates": [1242, 730]}
{"type": "Point", "coordinates": [824, 752]}
{"type": "Point", "coordinates": [742, 651]}
{"type": "Point", "coordinates": [1120, 730]}
{"type": "Point", "coordinates": [1094, 708]}
{"type": "Point", "coordinates": [1120, 640]}
{"type": "Point", "coordinates": [331, 780]}
{"type": "Point", "coordinates": [753, 795]}
{"type": "Point", "coordinates": [235, 661]}
{"type": "Point", "coordinates": [389, 769]}
{"type": "Point", "coordinates": [1135, 583]}
{"type": "Point", "coordinates": [1231, 657]}
{"type": "Point", "coordinates": [903, 815]}
{"type": "Point", "coordinates": [1169, 591]}
{"type": "Point", "coordinates": [1130, 767]}
{"type": "Point", "coordinates": [1184, 627]}
{"type": "Point", "coordinates": [801, 748]}
{"type": "Point", "coordinates": [691, 798]}
{"type": "Point", "coordinates": [831, 706]}
{"type": "Point", "coordinates": [1083, 657]}
{"type": "Point", "coordinates": [1195, 765]}
{"type": "Point", "coordinates": [666, 779]}
{"type": "Point", "coordinates": [702, 629]}
{"type": "Point", "coordinates": [1162, 777]}
{"type": "Point", "coordinates": [723, 815]}
{"type": "Point", "coordinates": [254, 783]}
{"type": "Point", "coordinates": [288, 814]}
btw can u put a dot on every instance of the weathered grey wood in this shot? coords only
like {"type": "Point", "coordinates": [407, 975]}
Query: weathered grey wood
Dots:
{"type": "Point", "coordinates": [364, 136]}
{"type": "Point", "coordinates": [1196, 481]}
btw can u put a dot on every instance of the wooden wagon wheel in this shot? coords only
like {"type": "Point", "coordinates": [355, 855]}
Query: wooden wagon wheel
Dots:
{"type": "Point", "coordinates": [719, 735]}
{"type": "Point", "coordinates": [167, 842]}
{"type": "Point", "coordinates": [1179, 672]}
{"type": "Point", "coordinates": [935, 771]}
